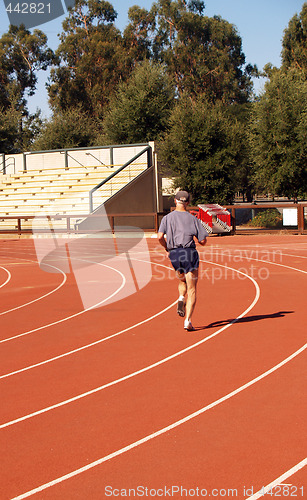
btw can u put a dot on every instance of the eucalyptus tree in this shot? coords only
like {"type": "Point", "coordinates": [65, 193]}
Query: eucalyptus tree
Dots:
{"type": "Point", "coordinates": [202, 54]}
{"type": "Point", "coordinates": [294, 43]}
{"type": "Point", "coordinates": [22, 55]}
{"type": "Point", "coordinates": [279, 134]}
{"type": "Point", "coordinates": [91, 58]}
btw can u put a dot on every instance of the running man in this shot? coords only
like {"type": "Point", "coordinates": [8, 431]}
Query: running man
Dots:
{"type": "Point", "coordinates": [181, 228]}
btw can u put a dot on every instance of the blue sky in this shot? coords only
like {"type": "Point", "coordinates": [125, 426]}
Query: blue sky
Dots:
{"type": "Point", "coordinates": [260, 25]}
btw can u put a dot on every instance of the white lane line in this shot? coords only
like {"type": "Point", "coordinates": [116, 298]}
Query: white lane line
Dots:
{"type": "Point", "coordinates": [265, 261]}
{"type": "Point", "coordinates": [160, 432]}
{"type": "Point", "coordinates": [143, 370]}
{"type": "Point", "coordinates": [296, 256]}
{"type": "Point", "coordinates": [68, 353]}
{"type": "Point", "coordinates": [93, 343]}
{"type": "Point", "coordinates": [73, 315]}
{"type": "Point", "coordinates": [88, 345]}
{"type": "Point", "coordinates": [42, 296]}
{"type": "Point", "coordinates": [279, 480]}
{"type": "Point", "coordinates": [122, 331]}
{"type": "Point", "coordinates": [9, 276]}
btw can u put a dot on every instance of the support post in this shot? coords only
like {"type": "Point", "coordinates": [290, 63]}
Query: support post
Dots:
{"type": "Point", "coordinates": [3, 164]}
{"type": "Point", "coordinates": [111, 157]}
{"type": "Point", "coordinates": [233, 220]}
{"type": "Point", "coordinates": [300, 218]}
{"type": "Point", "coordinates": [24, 162]}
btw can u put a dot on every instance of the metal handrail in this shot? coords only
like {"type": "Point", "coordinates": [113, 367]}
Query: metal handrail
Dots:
{"type": "Point", "coordinates": [70, 156]}
{"type": "Point", "coordinates": [127, 164]}
{"type": "Point", "coordinates": [3, 162]}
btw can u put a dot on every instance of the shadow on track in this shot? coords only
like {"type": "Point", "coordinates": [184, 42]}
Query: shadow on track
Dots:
{"type": "Point", "coordinates": [246, 319]}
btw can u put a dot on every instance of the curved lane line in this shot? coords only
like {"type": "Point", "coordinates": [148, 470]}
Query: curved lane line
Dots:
{"type": "Point", "coordinates": [9, 276]}
{"type": "Point", "coordinates": [73, 315]}
{"type": "Point", "coordinates": [42, 296]}
{"type": "Point", "coordinates": [265, 262]}
{"type": "Point", "coordinates": [92, 344]}
{"type": "Point", "coordinates": [162, 431]}
{"type": "Point", "coordinates": [279, 480]}
{"type": "Point", "coordinates": [133, 326]}
{"type": "Point", "coordinates": [143, 370]}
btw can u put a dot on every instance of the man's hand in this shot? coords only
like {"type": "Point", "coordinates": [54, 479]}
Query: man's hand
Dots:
{"type": "Point", "coordinates": [162, 241]}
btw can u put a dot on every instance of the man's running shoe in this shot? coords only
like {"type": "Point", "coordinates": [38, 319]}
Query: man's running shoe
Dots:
{"type": "Point", "coordinates": [181, 308]}
{"type": "Point", "coordinates": [188, 326]}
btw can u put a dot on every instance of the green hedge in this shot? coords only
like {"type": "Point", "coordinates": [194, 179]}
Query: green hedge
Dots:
{"type": "Point", "coordinates": [270, 218]}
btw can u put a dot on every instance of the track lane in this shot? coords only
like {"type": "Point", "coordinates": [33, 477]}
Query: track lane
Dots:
{"type": "Point", "coordinates": [141, 347]}
{"type": "Point", "coordinates": [8, 276]}
{"type": "Point", "coordinates": [29, 290]}
{"type": "Point", "coordinates": [202, 367]}
{"type": "Point", "coordinates": [126, 471]}
{"type": "Point", "coordinates": [217, 447]}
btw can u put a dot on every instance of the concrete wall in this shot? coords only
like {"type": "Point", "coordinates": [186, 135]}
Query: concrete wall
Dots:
{"type": "Point", "coordinates": [139, 196]}
{"type": "Point", "coordinates": [112, 156]}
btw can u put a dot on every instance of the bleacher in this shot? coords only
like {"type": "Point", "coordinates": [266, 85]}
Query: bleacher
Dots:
{"type": "Point", "coordinates": [62, 189]}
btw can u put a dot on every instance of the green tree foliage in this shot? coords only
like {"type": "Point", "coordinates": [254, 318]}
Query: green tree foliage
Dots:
{"type": "Point", "coordinates": [140, 108]}
{"type": "Point", "coordinates": [17, 130]}
{"type": "Point", "coordinates": [294, 42]}
{"type": "Point", "coordinates": [91, 58]}
{"type": "Point", "coordinates": [137, 35]}
{"type": "Point", "coordinates": [202, 54]}
{"type": "Point", "coordinates": [201, 150]}
{"type": "Point", "coordinates": [22, 55]}
{"type": "Point", "coordinates": [9, 130]}
{"type": "Point", "coordinates": [244, 166]}
{"type": "Point", "coordinates": [279, 135]}
{"type": "Point", "coordinates": [67, 129]}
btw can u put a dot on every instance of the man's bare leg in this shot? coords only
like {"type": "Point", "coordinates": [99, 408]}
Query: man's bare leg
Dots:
{"type": "Point", "coordinates": [182, 286]}
{"type": "Point", "coordinates": [182, 289]}
{"type": "Point", "coordinates": [191, 282]}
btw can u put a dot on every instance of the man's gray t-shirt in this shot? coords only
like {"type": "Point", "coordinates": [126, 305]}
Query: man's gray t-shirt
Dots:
{"type": "Point", "coordinates": [180, 228]}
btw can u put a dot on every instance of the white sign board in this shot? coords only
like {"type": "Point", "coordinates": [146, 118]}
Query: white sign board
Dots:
{"type": "Point", "coordinates": [289, 216]}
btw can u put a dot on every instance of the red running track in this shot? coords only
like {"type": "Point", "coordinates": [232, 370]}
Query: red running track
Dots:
{"type": "Point", "coordinates": [121, 401]}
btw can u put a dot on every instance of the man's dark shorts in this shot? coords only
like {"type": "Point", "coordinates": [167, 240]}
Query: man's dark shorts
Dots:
{"type": "Point", "coordinates": [184, 260]}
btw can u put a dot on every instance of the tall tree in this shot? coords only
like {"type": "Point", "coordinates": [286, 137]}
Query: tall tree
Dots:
{"type": "Point", "coordinates": [91, 58]}
{"type": "Point", "coordinates": [201, 149]}
{"type": "Point", "coordinates": [279, 134]}
{"type": "Point", "coordinates": [137, 35]}
{"type": "Point", "coordinates": [240, 114]}
{"type": "Point", "coordinates": [294, 43]}
{"type": "Point", "coordinates": [202, 54]}
{"type": "Point", "coordinates": [140, 109]}
{"type": "Point", "coordinates": [22, 55]}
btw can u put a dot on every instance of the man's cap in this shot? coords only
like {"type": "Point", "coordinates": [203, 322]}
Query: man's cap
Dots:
{"type": "Point", "coordinates": [182, 196]}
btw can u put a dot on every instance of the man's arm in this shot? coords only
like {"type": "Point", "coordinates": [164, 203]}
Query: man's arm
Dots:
{"type": "Point", "coordinates": [162, 240]}
{"type": "Point", "coordinates": [203, 242]}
